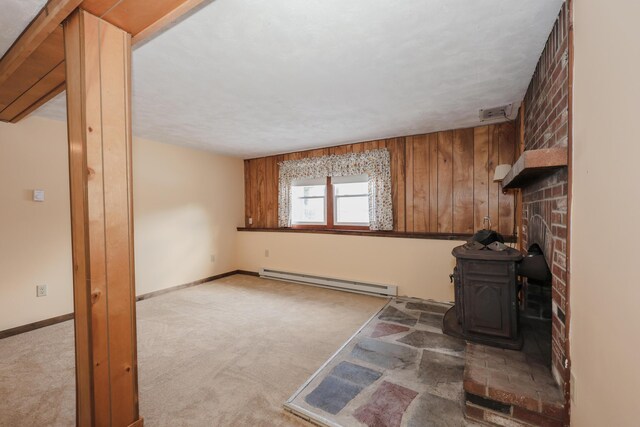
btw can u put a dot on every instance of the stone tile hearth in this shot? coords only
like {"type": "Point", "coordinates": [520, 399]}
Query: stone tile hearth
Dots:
{"type": "Point", "coordinates": [384, 354]}
{"type": "Point", "coordinates": [392, 314]}
{"type": "Point", "coordinates": [384, 329]}
{"type": "Point", "coordinates": [344, 382]}
{"type": "Point", "coordinates": [436, 342]}
{"type": "Point", "coordinates": [399, 370]}
{"type": "Point", "coordinates": [387, 405]}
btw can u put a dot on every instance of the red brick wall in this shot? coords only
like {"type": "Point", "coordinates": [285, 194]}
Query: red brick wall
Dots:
{"type": "Point", "coordinates": [544, 203]}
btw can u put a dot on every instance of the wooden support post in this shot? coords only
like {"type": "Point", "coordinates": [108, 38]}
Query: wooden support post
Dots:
{"type": "Point", "coordinates": [98, 65]}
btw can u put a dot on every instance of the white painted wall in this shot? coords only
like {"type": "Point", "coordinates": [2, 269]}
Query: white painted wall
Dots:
{"type": "Point", "coordinates": [605, 287]}
{"type": "Point", "coordinates": [35, 237]}
{"type": "Point", "coordinates": [187, 205]}
{"type": "Point", "coordinates": [419, 267]}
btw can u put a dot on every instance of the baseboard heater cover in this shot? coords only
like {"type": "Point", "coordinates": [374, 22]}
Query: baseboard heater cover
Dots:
{"type": "Point", "coordinates": [331, 283]}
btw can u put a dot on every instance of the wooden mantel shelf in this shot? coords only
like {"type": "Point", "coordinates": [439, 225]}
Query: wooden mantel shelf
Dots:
{"type": "Point", "coordinates": [534, 164]}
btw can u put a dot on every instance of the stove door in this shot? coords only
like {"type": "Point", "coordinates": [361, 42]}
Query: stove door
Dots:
{"type": "Point", "coordinates": [490, 306]}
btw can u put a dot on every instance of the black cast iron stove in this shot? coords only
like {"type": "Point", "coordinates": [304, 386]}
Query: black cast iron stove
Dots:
{"type": "Point", "coordinates": [486, 292]}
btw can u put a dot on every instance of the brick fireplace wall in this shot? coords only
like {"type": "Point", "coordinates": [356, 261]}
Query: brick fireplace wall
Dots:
{"type": "Point", "coordinates": [544, 203]}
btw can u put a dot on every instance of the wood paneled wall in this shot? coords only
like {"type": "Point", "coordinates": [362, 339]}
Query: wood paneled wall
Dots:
{"type": "Point", "coordinates": [441, 182]}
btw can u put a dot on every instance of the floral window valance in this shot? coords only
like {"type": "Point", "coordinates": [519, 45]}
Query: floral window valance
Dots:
{"type": "Point", "coordinates": [375, 164]}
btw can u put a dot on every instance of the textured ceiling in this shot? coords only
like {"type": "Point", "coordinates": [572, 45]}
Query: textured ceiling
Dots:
{"type": "Point", "coordinates": [251, 77]}
{"type": "Point", "coordinates": [15, 15]}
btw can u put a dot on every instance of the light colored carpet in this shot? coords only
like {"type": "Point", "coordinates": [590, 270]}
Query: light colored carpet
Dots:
{"type": "Point", "coordinates": [226, 353]}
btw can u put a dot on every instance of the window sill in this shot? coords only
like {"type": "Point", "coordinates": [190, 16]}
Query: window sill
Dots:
{"type": "Point", "coordinates": [396, 234]}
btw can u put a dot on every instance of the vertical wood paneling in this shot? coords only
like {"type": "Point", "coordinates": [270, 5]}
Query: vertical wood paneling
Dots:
{"type": "Point", "coordinates": [248, 194]}
{"type": "Point", "coordinates": [251, 172]}
{"type": "Point", "coordinates": [270, 190]}
{"type": "Point", "coordinates": [445, 182]}
{"type": "Point", "coordinates": [402, 180]}
{"type": "Point", "coordinates": [494, 187]}
{"type": "Point", "coordinates": [395, 146]}
{"type": "Point", "coordinates": [421, 179]}
{"type": "Point", "coordinates": [463, 181]}
{"type": "Point", "coordinates": [480, 176]}
{"type": "Point", "coordinates": [261, 200]}
{"type": "Point", "coordinates": [441, 182]}
{"type": "Point", "coordinates": [394, 181]}
{"type": "Point", "coordinates": [408, 158]}
{"type": "Point", "coordinates": [433, 183]}
{"type": "Point", "coordinates": [357, 148]}
{"type": "Point", "coordinates": [274, 188]}
{"type": "Point", "coordinates": [506, 155]}
{"type": "Point", "coordinates": [293, 156]}
{"type": "Point", "coordinates": [319, 152]}
{"type": "Point", "coordinates": [371, 145]}
{"type": "Point", "coordinates": [255, 196]}
{"type": "Point", "coordinates": [342, 149]}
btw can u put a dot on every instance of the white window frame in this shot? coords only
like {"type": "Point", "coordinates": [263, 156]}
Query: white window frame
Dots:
{"type": "Point", "coordinates": [310, 182]}
{"type": "Point", "coordinates": [347, 180]}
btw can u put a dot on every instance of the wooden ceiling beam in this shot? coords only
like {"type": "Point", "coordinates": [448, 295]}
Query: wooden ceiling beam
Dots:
{"type": "Point", "coordinates": [42, 26]}
{"type": "Point", "coordinates": [57, 90]}
{"type": "Point", "coordinates": [166, 21]}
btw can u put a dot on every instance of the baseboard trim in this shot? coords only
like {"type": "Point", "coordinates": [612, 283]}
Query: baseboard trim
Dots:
{"type": "Point", "coordinates": [185, 285]}
{"type": "Point", "coordinates": [248, 273]}
{"type": "Point", "coordinates": [35, 325]}
{"type": "Point", "coordinates": [63, 318]}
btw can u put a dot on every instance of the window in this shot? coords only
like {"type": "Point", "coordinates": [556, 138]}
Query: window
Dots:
{"type": "Point", "coordinates": [338, 202]}
{"type": "Point", "coordinates": [375, 165]}
{"type": "Point", "coordinates": [351, 200]}
{"type": "Point", "coordinates": [309, 202]}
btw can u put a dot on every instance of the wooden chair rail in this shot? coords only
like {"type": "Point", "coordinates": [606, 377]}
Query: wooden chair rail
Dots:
{"type": "Point", "coordinates": [372, 233]}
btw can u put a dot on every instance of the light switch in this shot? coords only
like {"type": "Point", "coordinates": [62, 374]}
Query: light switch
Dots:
{"type": "Point", "coordinates": [38, 195]}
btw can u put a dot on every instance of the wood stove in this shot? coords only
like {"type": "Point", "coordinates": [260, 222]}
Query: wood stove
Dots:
{"type": "Point", "coordinates": [486, 301]}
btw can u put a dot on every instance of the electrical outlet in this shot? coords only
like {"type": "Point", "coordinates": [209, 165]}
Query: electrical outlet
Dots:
{"type": "Point", "coordinates": [213, 258]}
{"type": "Point", "coordinates": [266, 253]}
{"type": "Point", "coordinates": [41, 290]}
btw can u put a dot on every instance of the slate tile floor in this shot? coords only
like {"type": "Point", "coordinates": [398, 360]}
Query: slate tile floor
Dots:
{"type": "Point", "coordinates": [398, 371]}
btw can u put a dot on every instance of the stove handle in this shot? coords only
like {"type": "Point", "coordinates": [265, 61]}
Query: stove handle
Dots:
{"type": "Point", "coordinates": [453, 277]}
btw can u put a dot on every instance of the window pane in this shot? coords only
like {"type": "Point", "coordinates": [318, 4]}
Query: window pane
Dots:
{"type": "Point", "coordinates": [307, 210]}
{"type": "Point", "coordinates": [308, 191]}
{"type": "Point", "coordinates": [352, 210]}
{"type": "Point", "coordinates": [351, 188]}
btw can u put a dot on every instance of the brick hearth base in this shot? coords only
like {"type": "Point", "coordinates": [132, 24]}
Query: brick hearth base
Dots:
{"type": "Point", "coordinates": [510, 388]}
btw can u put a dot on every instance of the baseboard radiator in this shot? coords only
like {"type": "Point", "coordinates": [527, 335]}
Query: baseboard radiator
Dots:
{"type": "Point", "coordinates": [331, 283]}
